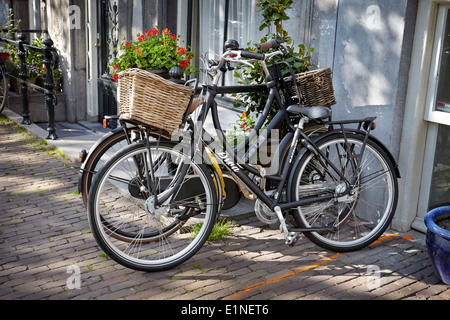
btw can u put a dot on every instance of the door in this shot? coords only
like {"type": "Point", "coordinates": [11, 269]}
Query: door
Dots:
{"type": "Point", "coordinates": [102, 38]}
{"type": "Point", "coordinates": [435, 187]}
{"type": "Point", "coordinates": [107, 28]}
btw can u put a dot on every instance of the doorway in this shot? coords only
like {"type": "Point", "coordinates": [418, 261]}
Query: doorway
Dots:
{"type": "Point", "coordinates": [102, 39]}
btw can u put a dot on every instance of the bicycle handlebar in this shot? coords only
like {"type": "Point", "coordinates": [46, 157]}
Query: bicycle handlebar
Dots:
{"type": "Point", "coordinates": [253, 55]}
{"type": "Point", "coordinates": [234, 56]}
{"type": "Point", "coordinates": [272, 44]}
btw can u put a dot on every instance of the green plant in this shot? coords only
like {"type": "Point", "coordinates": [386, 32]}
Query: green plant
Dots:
{"type": "Point", "coordinates": [9, 31]}
{"type": "Point", "coordinates": [57, 73]}
{"type": "Point", "coordinates": [221, 229]}
{"type": "Point", "coordinates": [153, 50]}
{"type": "Point", "coordinates": [35, 59]}
{"type": "Point", "coordinates": [274, 13]}
{"type": "Point", "coordinates": [299, 57]}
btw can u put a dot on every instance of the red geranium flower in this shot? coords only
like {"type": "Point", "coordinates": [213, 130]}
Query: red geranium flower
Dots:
{"type": "Point", "coordinates": [141, 38]}
{"type": "Point", "coordinates": [152, 32]}
{"type": "Point", "coordinates": [181, 50]}
{"type": "Point", "coordinates": [166, 31]}
{"type": "Point", "coordinates": [184, 63]}
{"type": "Point", "coordinates": [115, 77]}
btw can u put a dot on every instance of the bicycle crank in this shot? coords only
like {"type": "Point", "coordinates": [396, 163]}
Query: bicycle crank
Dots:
{"type": "Point", "coordinates": [291, 237]}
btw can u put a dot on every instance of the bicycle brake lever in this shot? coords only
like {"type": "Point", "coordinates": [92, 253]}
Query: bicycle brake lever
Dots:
{"type": "Point", "coordinates": [283, 48]}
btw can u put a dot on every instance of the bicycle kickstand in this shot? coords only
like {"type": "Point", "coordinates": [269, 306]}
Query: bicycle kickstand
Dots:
{"type": "Point", "coordinates": [291, 237]}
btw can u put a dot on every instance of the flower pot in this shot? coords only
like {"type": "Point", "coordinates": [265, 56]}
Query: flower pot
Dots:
{"type": "Point", "coordinates": [164, 73]}
{"type": "Point", "coordinates": [438, 241]}
{"type": "Point", "coordinates": [57, 82]}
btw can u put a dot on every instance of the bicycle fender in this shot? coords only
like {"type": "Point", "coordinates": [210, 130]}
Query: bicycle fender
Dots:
{"type": "Point", "coordinates": [89, 154]}
{"type": "Point", "coordinates": [274, 167]}
{"type": "Point", "coordinates": [388, 153]}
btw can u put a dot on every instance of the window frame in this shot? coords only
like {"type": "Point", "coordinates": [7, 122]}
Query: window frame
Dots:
{"type": "Point", "coordinates": [431, 114]}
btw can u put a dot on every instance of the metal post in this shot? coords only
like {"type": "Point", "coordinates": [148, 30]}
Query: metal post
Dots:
{"type": "Point", "coordinates": [23, 75]}
{"type": "Point", "coordinates": [50, 60]}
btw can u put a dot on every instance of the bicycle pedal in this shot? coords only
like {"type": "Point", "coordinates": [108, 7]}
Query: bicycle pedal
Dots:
{"type": "Point", "coordinates": [292, 239]}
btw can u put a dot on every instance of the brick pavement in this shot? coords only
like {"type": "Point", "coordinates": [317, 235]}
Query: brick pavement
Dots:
{"type": "Point", "coordinates": [45, 238]}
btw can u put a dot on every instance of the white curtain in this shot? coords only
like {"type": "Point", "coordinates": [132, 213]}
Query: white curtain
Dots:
{"type": "Point", "coordinates": [243, 24]}
{"type": "Point", "coordinates": [212, 19]}
{"type": "Point", "coordinates": [244, 20]}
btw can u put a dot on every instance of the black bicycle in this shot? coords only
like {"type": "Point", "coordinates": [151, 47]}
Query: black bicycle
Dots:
{"type": "Point", "coordinates": [340, 187]}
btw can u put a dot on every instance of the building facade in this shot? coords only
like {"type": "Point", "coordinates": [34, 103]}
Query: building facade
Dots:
{"type": "Point", "coordinates": [389, 59]}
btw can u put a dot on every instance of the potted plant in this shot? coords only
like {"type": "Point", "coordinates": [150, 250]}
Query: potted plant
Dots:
{"type": "Point", "coordinates": [33, 73]}
{"type": "Point", "coordinates": [13, 70]}
{"type": "Point", "coordinates": [57, 78]}
{"type": "Point", "coordinates": [153, 51]}
{"type": "Point", "coordinates": [438, 241]}
{"type": "Point", "coordinates": [35, 63]}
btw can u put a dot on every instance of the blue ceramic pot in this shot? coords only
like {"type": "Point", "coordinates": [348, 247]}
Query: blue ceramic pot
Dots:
{"type": "Point", "coordinates": [438, 242]}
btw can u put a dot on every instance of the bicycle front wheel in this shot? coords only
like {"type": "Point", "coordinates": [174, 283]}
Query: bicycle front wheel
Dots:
{"type": "Point", "coordinates": [358, 218]}
{"type": "Point", "coordinates": [3, 89]}
{"type": "Point", "coordinates": [128, 225]}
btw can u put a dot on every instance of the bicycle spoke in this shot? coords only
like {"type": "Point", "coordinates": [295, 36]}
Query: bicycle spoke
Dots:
{"type": "Point", "coordinates": [135, 231]}
{"type": "Point", "coordinates": [362, 214]}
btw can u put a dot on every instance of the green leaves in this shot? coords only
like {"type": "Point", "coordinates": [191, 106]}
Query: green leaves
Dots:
{"type": "Point", "coordinates": [273, 13]}
{"type": "Point", "coordinates": [153, 50]}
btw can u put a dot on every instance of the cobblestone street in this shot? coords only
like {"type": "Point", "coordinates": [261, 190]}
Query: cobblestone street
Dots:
{"type": "Point", "coordinates": [45, 238]}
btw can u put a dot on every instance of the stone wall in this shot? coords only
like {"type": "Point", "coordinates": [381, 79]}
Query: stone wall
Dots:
{"type": "Point", "coordinates": [368, 46]}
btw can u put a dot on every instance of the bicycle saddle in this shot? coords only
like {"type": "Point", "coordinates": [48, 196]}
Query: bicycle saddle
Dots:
{"type": "Point", "coordinates": [314, 113]}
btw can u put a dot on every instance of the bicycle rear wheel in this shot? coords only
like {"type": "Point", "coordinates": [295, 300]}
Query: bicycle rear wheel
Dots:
{"type": "Point", "coordinates": [360, 217]}
{"type": "Point", "coordinates": [3, 89]}
{"type": "Point", "coordinates": [121, 200]}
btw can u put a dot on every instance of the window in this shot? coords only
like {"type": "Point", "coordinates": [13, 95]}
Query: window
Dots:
{"type": "Point", "coordinates": [440, 181]}
{"type": "Point", "coordinates": [438, 104]}
{"type": "Point", "coordinates": [220, 20]}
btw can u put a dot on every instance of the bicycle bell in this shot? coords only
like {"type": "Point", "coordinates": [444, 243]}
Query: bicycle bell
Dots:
{"type": "Point", "coordinates": [231, 45]}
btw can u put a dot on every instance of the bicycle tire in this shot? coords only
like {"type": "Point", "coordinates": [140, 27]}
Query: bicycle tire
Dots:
{"type": "Point", "coordinates": [126, 206]}
{"type": "Point", "coordinates": [101, 152]}
{"type": "Point", "coordinates": [3, 89]}
{"type": "Point", "coordinates": [99, 155]}
{"type": "Point", "coordinates": [360, 218]}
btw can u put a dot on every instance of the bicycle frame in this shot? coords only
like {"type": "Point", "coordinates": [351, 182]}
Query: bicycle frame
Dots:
{"type": "Point", "coordinates": [236, 165]}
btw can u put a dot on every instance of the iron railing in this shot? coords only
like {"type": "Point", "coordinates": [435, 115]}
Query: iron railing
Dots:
{"type": "Point", "coordinates": [50, 59]}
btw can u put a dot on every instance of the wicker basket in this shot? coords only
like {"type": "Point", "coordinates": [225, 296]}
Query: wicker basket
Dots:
{"type": "Point", "coordinates": [148, 98]}
{"type": "Point", "coordinates": [316, 87]}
